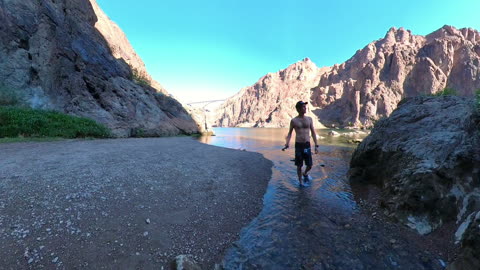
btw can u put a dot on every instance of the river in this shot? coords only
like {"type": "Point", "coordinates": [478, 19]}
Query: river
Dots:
{"type": "Point", "coordinates": [319, 226]}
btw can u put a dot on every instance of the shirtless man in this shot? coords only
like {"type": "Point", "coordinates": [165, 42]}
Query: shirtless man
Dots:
{"type": "Point", "coordinates": [303, 125]}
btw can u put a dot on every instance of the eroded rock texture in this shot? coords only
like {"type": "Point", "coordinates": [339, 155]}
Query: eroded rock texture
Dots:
{"type": "Point", "coordinates": [52, 55]}
{"type": "Point", "coordinates": [368, 86]}
{"type": "Point", "coordinates": [426, 159]}
{"type": "Point", "coordinates": [271, 101]}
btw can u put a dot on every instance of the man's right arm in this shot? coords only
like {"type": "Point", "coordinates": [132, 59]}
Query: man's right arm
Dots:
{"type": "Point", "coordinates": [289, 136]}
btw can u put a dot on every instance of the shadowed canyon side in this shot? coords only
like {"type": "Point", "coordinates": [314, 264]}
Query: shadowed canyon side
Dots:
{"type": "Point", "coordinates": [369, 85]}
{"type": "Point", "coordinates": [120, 46]}
{"type": "Point", "coordinates": [56, 56]}
{"type": "Point", "coordinates": [425, 158]}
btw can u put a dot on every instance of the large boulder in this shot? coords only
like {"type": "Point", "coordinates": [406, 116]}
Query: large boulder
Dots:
{"type": "Point", "coordinates": [53, 57]}
{"type": "Point", "coordinates": [426, 159]}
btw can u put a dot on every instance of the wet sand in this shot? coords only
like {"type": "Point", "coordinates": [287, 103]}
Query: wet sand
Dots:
{"type": "Point", "coordinates": [124, 203]}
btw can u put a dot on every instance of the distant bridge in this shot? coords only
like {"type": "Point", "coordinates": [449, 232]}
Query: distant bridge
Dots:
{"type": "Point", "coordinates": [206, 102]}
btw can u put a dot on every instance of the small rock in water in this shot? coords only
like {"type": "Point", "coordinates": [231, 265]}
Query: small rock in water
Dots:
{"type": "Point", "coordinates": [147, 221]}
{"type": "Point", "coordinates": [145, 233]}
{"type": "Point", "coordinates": [55, 260]}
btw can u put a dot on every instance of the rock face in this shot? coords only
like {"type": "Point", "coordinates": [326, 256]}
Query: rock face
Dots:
{"type": "Point", "coordinates": [203, 118]}
{"type": "Point", "coordinates": [54, 57]}
{"type": "Point", "coordinates": [369, 85]}
{"type": "Point", "coordinates": [426, 159]}
{"type": "Point", "coordinates": [271, 101]}
{"type": "Point", "coordinates": [120, 46]}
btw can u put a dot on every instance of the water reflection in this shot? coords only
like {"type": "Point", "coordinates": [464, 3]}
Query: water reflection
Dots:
{"type": "Point", "coordinates": [304, 227]}
{"type": "Point", "coordinates": [280, 236]}
{"type": "Point", "coordinates": [261, 137]}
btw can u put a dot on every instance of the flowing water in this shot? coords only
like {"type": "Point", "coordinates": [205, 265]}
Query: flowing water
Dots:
{"type": "Point", "coordinates": [314, 227]}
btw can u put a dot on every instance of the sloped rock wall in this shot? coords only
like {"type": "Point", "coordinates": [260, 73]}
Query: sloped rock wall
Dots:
{"type": "Point", "coordinates": [52, 55]}
{"type": "Point", "coordinates": [368, 86]}
{"type": "Point", "coordinates": [426, 159]}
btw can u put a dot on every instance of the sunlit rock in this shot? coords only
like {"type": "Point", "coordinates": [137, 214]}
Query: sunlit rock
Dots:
{"type": "Point", "coordinates": [365, 88]}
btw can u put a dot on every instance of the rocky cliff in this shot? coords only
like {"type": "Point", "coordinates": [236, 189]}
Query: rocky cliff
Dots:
{"type": "Point", "coordinates": [120, 46]}
{"type": "Point", "coordinates": [369, 85]}
{"type": "Point", "coordinates": [53, 55]}
{"type": "Point", "coordinates": [271, 101]}
{"type": "Point", "coordinates": [426, 159]}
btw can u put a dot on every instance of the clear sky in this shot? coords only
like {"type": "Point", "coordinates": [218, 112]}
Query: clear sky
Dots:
{"type": "Point", "coordinates": [202, 50]}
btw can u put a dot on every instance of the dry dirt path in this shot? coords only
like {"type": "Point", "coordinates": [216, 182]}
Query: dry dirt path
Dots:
{"type": "Point", "coordinates": [124, 203]}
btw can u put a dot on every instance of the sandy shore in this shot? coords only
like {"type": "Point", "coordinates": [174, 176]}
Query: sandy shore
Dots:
{"type": "Point", "coordinates": [124, 203]}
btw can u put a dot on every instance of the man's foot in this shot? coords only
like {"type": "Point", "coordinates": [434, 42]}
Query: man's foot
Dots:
{"type": "Point", "coordinates": [306, 178]}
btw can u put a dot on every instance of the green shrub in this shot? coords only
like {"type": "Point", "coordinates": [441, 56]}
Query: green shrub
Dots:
{"type": "Point", "coordinates": [8, 97]}
{"type": "Point", "coordinates": [445, 92]}
{"type": "Point", "coordinates": [138, 132]}
{"type": "Point", "coordinates": [26, 122]}
{"type": "Point", "coordinates": [140, 78]}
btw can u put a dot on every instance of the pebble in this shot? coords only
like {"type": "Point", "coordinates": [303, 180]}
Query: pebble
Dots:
{"type": "Point", "coordinates": [145, 233]}
{"type": "Point", "coordinates": [55, 260]}
{"type": "Point", "coordinates": [147, 221]}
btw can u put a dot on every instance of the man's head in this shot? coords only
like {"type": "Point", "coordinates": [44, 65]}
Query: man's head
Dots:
{"type": "Point", "coordinates": [301, 107]}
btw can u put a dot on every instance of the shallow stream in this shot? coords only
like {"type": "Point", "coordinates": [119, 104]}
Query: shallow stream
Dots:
{"type": "Point", "coordinates": [319, 226]}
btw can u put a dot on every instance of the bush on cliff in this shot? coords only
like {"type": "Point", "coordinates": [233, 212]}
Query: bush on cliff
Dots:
{"type": "Point", "coordinates": [26, 122]}
{"type": "Point", "coordinates": [140, 78]}
{"type": "Point", "coordinates": [446, 92]}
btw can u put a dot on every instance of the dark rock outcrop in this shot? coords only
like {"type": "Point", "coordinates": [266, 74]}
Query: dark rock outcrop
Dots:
{"type": "Point", "coordinates": [369, 85]}
{"type": "Point", "coordinates": [52, 55]}
{"type": "Point", "coordinates": [426, 159]}
{"type": "Point", "coordinates": [120, 46]}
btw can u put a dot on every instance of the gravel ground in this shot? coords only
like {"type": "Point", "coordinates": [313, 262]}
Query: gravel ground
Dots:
{"type": "Point", "coordinates": [438, 244]}
{"type": "Point", "coordinates": [124, 203]}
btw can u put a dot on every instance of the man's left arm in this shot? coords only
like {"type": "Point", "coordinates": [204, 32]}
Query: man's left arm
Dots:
{"type": "Point", "coordinates": [314, 135]}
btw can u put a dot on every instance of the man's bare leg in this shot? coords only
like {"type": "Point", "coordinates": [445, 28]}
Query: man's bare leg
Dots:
{"type": "Point", "coordinates": [307, 170]}
{"type": "Point", "coordinates": [299, 172]}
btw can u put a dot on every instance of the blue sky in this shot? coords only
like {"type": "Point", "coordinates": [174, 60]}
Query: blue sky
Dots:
{"type": "Point", "coordinates": [201, 50]}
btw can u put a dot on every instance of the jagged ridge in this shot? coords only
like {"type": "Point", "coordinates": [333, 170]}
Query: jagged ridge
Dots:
{"type": "Point", "coordinates": [369, 85]}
